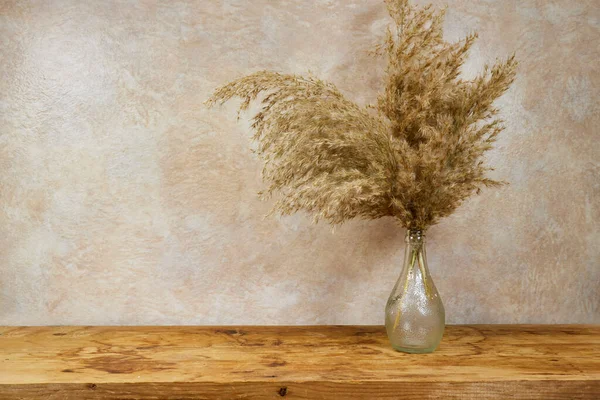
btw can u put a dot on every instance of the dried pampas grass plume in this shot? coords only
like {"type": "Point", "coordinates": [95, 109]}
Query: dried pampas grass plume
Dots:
{"type": "Point", "coordinates": [416, 160]}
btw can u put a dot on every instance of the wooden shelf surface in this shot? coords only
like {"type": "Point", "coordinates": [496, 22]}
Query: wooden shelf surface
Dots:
{"type": "Point", "coordinates": [550, 362]}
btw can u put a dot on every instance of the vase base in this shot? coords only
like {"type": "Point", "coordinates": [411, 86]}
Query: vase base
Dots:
{"type": "Point", "coordinates": [415, 350]}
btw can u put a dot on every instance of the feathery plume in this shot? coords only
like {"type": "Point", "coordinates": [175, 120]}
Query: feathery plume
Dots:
{"type": "Point", "coordinates": [417, 159]}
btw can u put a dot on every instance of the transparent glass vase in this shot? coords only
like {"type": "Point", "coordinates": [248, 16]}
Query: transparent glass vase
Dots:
{"type": "Point", "coordinates": [414, 314]}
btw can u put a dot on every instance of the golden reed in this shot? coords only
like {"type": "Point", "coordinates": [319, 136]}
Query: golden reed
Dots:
{"type": "Point", "coordinates": [415, 155]}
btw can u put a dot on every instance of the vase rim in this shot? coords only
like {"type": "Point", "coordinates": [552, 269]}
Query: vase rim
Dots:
{"type": "Point", "coordinates": [415, 235]}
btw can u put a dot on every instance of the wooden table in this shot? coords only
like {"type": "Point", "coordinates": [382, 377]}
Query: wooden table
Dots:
{"type": "Point", "coordinates": [479, 362]}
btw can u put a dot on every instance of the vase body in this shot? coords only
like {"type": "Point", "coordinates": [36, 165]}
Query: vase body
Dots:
{"type": "Point", "coordinates": [414, 314]}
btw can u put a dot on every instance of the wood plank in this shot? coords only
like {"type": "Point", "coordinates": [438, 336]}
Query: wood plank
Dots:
{"type": "Point", "coordinates": [297, 362]}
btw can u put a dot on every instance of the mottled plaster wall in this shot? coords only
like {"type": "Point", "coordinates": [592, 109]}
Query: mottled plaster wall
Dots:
{"type": "Point", "coordinates": [124, 201]}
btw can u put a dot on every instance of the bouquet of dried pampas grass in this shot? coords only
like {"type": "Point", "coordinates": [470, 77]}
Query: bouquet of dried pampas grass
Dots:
{"type": "Point", "coordinates": [416, 155]}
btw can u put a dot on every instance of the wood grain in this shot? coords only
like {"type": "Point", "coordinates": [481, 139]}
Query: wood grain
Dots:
{"type": "Point", "coordinates": [550, 362]}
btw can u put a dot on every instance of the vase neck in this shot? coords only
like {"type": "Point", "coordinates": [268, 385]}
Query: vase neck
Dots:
{"type": "Point", "coordinates": [415, 253]}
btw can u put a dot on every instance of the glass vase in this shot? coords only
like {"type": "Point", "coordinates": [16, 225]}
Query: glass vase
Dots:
{"type": "Point", "coordinates": [414, 314]}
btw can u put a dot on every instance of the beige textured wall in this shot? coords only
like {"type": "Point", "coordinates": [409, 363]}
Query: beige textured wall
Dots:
{"type": "Point", "coordinates": [124, 201]}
